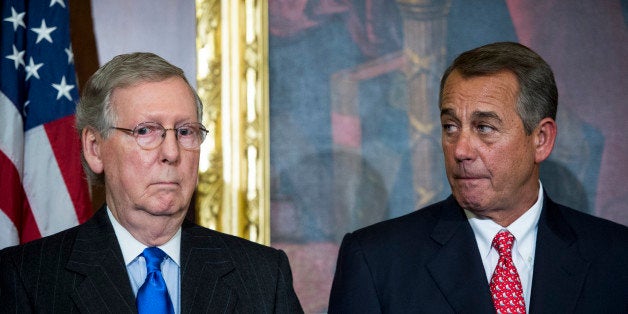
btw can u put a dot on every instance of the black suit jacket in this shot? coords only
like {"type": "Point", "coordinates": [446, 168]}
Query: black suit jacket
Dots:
{"type": "Point", "coordinates": [428, 262]}
{"type": "Point", "coordinates": [81, 270]}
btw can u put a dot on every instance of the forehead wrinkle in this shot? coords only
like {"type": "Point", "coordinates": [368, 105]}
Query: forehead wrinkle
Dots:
{"type": "Point", "coordinates": [499, 91]}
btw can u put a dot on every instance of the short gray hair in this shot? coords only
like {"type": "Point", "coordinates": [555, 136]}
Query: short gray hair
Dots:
{"type": "Point", "coordinates": [538, 95]}
{"type": "Point", "coordinates": [94, 110]}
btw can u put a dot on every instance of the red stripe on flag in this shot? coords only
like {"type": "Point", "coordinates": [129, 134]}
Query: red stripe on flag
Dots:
{"type": "Point", "coordinates": [67, 149]}
{"type": "Point", "coordinates": [12, 191]}
{"type": "Point", "coordinates": [29, 230]}
{"type": "Point", "coordinates": [13, 201]}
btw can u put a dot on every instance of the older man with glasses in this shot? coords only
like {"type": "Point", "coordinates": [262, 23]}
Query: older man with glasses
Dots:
{"type": "Point", "coordinates": [138, 253]}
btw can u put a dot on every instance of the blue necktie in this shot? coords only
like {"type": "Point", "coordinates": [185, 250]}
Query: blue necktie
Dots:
{"type": "Point", "coordinates": [152, 297]}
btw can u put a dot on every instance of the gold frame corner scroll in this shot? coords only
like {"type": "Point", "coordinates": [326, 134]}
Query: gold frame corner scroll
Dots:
{"type": "Point", "coordinates": [233, 193]}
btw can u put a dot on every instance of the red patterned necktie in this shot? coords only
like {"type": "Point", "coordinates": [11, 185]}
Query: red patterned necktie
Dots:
{"type": "Point", "coordinates": [505, 283]}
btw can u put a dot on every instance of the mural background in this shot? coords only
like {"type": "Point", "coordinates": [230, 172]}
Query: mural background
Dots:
{"type": "Point", "coordinates": [354, 126]}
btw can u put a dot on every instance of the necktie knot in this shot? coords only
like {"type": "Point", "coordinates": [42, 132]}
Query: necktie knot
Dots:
{"type": "Point", "coordinates": [153, 256]}
{"type": "Point", "coordinates": [503, 242]}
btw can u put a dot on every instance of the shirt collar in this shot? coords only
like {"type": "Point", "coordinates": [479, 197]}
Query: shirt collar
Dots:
{"type": "Point", "coordinates": [523, 229]}
{"type": "Point", "coordinates": [131, 247]}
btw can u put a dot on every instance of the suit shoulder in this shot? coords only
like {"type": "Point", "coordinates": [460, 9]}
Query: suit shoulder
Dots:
{"type": "Point", "coordinates": [595, 234]}
{"type": "Point", "coordinates": [233, 243]}
{"type": "Point", "coordinates": [583, 222]}
{"type": "Point", "coordinates": [418, 223]}
{"type": "Point", "coordinates": [39, 249]}
{"type": "Point", "coordinates": [28, 260]}
{"type": "Point", "coordinates": [261, 275]}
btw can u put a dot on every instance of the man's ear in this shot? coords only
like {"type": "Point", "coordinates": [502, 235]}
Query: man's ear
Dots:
{"type": "Point", "coordinates": [92, 142]}
{"type": "Point", "coordinates": [544, 138]}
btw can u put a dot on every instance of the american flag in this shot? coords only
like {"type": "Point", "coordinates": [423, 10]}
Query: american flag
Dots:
{"type": "Point", "coordinates": [42, 185]}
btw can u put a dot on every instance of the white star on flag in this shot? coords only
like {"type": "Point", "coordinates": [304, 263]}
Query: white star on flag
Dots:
{"type": "Point", "coordinates": [43, 32]}
{"type": "Point", "coordinates": [16, 18]}
{"type": "Point", "coordinates": [32, 68]}
{"type": "Point", "coordinates": [63, 89]}
{"type": "Point", "coordinates": [60, 2]}
{"type": "Point", "coordinates": [17, 57]}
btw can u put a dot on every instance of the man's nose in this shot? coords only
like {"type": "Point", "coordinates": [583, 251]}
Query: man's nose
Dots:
{"type": "Point", "coordinates": [170, 148]}
{"type": "Point", "coordinates": [464, 146]}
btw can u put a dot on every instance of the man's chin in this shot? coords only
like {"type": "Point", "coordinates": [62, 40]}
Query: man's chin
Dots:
{"type": "Point", "coordinates": [165, 207]}
{"type": "Point", "coordinates": [470, 201]}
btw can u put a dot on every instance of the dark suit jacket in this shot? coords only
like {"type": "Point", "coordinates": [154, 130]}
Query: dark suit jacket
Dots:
{"type": "Point", "coordinates": [428, 262]}
{"type": "Point", "coordinates": [82, 270]}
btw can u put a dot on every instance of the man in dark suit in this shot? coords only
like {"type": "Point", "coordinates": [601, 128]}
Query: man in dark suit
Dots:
{"type": "Point", "coordinates": [138, 254]}
{"type": "Point", "coordinates": [499, 243]}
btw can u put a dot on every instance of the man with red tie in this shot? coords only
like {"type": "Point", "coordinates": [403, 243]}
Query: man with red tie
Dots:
{"type": "Point", "coordinates": [499, 243]}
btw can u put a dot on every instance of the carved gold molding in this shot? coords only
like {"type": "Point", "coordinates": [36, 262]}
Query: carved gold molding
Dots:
{"type": "Point", "coordinates": [232, 76]}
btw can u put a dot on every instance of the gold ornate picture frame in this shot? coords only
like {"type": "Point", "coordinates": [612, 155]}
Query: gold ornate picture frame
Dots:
{"type": "Point", "coordinates": [232, 78]}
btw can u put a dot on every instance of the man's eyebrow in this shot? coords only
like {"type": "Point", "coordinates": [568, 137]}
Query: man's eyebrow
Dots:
{"type": "Point", "coordinates": [475, 115]}
{"type": "Point", "coordinates": [447, 112]}
{"type": "Point", "coordinates": [486, 115]}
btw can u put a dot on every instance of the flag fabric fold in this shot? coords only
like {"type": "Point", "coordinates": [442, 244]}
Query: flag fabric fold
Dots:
{"type": "Point", "coordinates": [42, 186]}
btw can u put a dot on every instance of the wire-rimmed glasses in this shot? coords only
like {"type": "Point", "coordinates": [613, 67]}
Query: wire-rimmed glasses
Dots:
{"type": "Point", "coordinates": [149, 135]}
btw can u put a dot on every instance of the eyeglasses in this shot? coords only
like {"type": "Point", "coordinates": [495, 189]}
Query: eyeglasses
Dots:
{"type": "Point", "coordinates": [149, 135]}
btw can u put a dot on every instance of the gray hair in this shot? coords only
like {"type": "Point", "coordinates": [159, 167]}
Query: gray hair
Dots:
{"type": "Point", "coordinates": [537, 96]}
{"type": "Point", "coordinates": [94, 110]}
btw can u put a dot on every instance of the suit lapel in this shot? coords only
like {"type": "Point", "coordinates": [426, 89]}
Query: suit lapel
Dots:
{"type": "Point", "coordinates": [97, 256]}
{"type": "Point", "coordinates": [457, 267]}
{"type": "Point", "coordinates": [206, 273]}
{"type": "Point", "coordinates": [559, 270]}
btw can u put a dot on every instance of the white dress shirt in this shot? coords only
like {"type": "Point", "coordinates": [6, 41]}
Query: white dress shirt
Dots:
{"type": "Point", "coordinates": [136, 265]}
{"type": "Point", "coordinates": [524, 229]}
